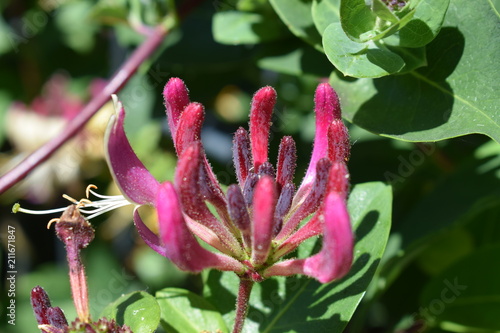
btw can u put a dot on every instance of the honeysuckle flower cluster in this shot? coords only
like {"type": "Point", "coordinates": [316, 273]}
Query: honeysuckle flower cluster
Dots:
{"type": "Point", "coordinates": [257, 221]}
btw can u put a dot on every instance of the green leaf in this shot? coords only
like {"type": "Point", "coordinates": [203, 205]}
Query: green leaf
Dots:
{"type": "Point", "coordinates": [356, 18]}
{"type": "Point", "coordinates": [299, 304]}
{"type": "Point", "coordinates": [184, 311]}
{"type": "Point", "coordinates": [365, 60]}
{"type": "Point", "coordinates": [233, 28]}
{"type": "Point", "coordinates": [297, 16]}
{"type": "Point", "coordinates": [138, 310]}
{"type": "Point", "coordinates": [467, 294]}
{"type": "Point", "coordinates": [456, 94]}
{"type": "Point", "coordinates": [324, 13]}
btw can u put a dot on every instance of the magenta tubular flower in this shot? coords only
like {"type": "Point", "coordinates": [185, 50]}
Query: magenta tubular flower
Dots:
{"type": "Point", "coordinates": [260, 219]}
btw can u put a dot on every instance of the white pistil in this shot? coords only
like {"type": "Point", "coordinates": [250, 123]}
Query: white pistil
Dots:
{"type": "Point", "coordinates": [106, 204]}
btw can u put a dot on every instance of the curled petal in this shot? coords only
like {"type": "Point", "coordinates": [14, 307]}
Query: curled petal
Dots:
{"type": "Point", "coordinates": [150, 238]}
{"type": "Point", "coordinates": [339, 147]}
{"type": "Point", "coordinates": [327, 108]}
{"type": "Point", "coordinates": [176, 99]}
{"type": "Point", "coordinates": [242, 156]}
{"type": "Point", "coordinates": [187, 180]}
{"type": "Point", "coordinates": [335, 258]}
{"type": "Point", "coordinates": [260, 122]}
{"type": "Point", "coordinates": [181, 247]}
{"type": "Point", "coordinates": [310, 204]}
{"type": "Point", "coordinates": [264, 203]}
{"type": "Point", "coordinates": [287, 160]}
{"type": "Point", "coordinates": [131, 176]}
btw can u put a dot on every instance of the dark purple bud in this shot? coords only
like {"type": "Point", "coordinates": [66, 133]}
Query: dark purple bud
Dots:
{"type": "Point", "coordinates": [242, 156]}
{"type": "Point", "coordinates": [287, 161]}
{"type": "Point", "coordinates": [267, 169]}
{"type": "Point", "coordinates": [283, 206]}
{"type": "Point", "coordinates": [239, 213]}
{"type": "Point", "coordinates": [40, 303]}
{"type": "Point", "coordinates": [249, 187]}
{"type": "Point", "coordinates": [57, 318]}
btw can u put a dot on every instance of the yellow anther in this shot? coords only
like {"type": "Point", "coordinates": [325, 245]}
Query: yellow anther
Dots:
{"type": "Point", "coordinates": [52, 221]}
{"type": "Point", "coordinates": [87, 190]}
{"type": "Point", "coordinates": [70, 199]}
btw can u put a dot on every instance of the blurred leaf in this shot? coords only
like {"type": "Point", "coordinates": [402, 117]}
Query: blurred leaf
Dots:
{"type": "Point", "coordinates": [5, 101]}
{"type": "Point", "coordinates": [467, 294]}
{"type": "Point", "coordinates": [184, 312]}
{"type": "Point", "coordinates": [456, 94]}
{"type": "Point", "coordinates": [74, 20]}
{"type": "Point", "coordinates": [138, 310]}
{"type": "Point", "coordinates": [233, 28]}
{"type": "Point", "coordinates": [325, 12]}
{"type": "Point", "coordinates": [110, 11]}
{"type": "Point", "coordinates": [365, 60]}
{"type": "Point", "coordinates": [297, 16]}
{"type": "Point", "coordinates": [299, 304]}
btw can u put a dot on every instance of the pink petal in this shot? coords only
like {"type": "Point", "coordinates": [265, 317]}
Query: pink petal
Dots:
{"type": "Point", "coordinates": [242, 156]}
{"type": "Point", "coordinates": [327, 108]}
{"type": "Point", "coordinates": [264, 203]}
{"type": "Point", "coordinates": [150, 238]}
{"type": "Point", "coordinates": [335, 258]}
{"type": "Point", "coordinates": [181, 247]}
{"type": "Point", "coordinates": [338, 180]}
{"type": "Point", "coordinates": [176, 98]}
{"type": "Point", "coordinates": [131, 176]}
{"type": "Point", "coordinates": [260, 122]}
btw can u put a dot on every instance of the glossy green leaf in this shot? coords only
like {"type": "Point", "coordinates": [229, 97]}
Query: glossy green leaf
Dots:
{"type": "Point", "coordinates": [297, 16]}
{"type": "Point", "coordinates": [324, 13]}
{"type": "Point", "coordinates": [466, 297]}
{"type": "Point", "coordinates": [425, 24]}
{"type": "Point", "coordinates": [138, 310]}
{"type": "Point", "coordinates": [233, 28]}
{"type": "Point", "coordinates": [184, 312]}
{"type": "Point", "coordinates": [455, 94]}
{"type": "Point", "coordinates": [356, 18]}
{"type": "Point", "coordinates": [299, 304]}
{"type": "Point", "coordinates": [365, 60]}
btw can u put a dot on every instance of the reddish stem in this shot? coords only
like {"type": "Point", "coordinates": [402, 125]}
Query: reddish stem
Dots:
{"type": "Point", "coordinates": [242, 303]}
{"type": "Point", "coordinates": [123, 74]}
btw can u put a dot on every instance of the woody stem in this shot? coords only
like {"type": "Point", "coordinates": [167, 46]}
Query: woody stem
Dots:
{"type": "Point", "coordinates": [242, 303]}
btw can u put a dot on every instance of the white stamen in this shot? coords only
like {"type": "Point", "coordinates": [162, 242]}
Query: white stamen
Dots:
{"type": "Point", "coordinates": [108, 203]}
